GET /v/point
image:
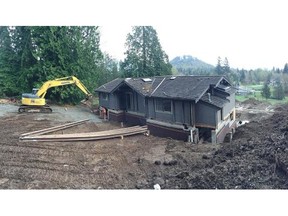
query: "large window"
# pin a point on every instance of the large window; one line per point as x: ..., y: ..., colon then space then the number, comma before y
x: 163, y: 105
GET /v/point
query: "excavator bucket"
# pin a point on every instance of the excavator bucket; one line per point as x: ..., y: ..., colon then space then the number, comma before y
x: 87, y: 102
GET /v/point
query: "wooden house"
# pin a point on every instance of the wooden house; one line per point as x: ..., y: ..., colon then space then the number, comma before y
x: 181, y: 107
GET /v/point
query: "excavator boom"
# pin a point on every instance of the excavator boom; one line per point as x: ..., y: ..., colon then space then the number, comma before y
x: 35, y: 101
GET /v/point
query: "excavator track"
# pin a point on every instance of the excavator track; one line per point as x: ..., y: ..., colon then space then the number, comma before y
x: 33, y: 109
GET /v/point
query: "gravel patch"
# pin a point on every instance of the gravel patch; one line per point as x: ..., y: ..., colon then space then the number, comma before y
x: 59, y: 114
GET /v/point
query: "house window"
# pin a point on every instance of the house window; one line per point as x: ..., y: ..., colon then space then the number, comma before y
x: 105, y: 96
x: 163, y: 105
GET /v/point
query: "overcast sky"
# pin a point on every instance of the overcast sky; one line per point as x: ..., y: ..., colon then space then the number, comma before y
x: 250, y: 33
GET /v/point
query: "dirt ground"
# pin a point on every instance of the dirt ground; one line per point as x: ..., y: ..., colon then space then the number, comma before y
x: 256, y: 158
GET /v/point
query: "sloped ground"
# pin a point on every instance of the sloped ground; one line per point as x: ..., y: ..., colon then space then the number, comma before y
x: 256, y: 158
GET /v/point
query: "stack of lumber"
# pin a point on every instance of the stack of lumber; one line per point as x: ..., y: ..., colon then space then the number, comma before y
x: 39, y: 135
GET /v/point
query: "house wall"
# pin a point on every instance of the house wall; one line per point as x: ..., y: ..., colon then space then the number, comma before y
x: 141, y: 104
x: 132, y: 118
x: 113, y: 102
x: 229, y: 106
x: 117, y: 100
x: 167, y: 131
x: 102, y: 101
x: 206, y: 115
x: 117, y: 116
x: 218, y: 116
x: 117, y: 105
x: 181, y: 112
x: 187, y: 113
x: 151, y: 108
x: 161, y: 116
x: 121, y: 100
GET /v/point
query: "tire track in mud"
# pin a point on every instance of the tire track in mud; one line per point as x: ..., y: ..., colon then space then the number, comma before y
x: 69, y: 166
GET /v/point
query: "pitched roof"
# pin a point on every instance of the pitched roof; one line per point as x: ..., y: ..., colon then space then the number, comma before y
x: 185, y: 87
x: 174, y: 87
x: 110, y: 86
x: 214, y: 100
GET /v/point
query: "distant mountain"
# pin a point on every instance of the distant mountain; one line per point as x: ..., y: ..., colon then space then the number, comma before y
x: 189, y: 65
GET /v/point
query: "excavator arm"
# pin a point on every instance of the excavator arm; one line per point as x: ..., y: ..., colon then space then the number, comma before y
x: 61, y: 82
x: 36, y: 100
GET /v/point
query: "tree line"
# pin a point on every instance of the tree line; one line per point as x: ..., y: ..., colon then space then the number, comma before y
x: 275, y: 81
x: 31, y: 55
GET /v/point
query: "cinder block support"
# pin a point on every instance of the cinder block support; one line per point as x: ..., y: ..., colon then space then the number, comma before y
x: 213, y: 137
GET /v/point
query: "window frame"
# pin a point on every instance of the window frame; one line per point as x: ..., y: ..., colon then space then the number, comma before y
x: 162, y: 101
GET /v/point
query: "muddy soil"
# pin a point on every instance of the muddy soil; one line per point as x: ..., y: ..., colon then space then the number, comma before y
x: 256, y: 158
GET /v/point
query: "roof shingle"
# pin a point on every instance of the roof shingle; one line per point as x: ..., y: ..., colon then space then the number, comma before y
x: 174, y: 87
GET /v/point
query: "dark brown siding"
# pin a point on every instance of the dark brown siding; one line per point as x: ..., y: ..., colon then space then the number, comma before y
x: 167, y: 132
x: 131, y: 119
x: 118, y: 117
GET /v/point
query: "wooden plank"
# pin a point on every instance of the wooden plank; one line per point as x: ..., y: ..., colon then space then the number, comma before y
x: 98, y: 133
x: 89, y: 136
x: 55, y: 128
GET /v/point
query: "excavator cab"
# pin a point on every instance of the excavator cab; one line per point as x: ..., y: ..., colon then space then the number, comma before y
x: 34, y: 91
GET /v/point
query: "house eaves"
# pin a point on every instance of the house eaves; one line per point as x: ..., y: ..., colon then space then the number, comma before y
x: 110, y: 86
x: 214, y: 100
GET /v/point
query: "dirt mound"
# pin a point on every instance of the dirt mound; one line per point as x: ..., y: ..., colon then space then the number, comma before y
x: 252, y: 101
x: 257, y: 158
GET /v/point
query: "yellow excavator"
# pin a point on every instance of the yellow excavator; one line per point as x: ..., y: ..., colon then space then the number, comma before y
x: 35, y: 101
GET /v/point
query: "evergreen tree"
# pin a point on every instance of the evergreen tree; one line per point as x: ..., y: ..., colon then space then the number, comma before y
x: 242, y: 74
x: 219, y: 68
x: 8, y: 70
x: 279, y: 91
x: 48, y: 52
x: 109, y: 69
x: 226, y: 67
x: 266, y: 91
x: 67, y: 51
x: 144, y: 55
x: 285, y: 70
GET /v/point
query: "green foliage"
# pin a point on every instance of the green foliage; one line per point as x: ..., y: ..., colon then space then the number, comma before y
x: 108, y: 70
x: 32, y: 55
x: 144, y: 55
x: 285, y: 70
x: 9, y: 64
x: 222, y: 67
x: 285, y: 82
x: 279, y: 91
x: 266, y: 91
x: 219, y: 68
